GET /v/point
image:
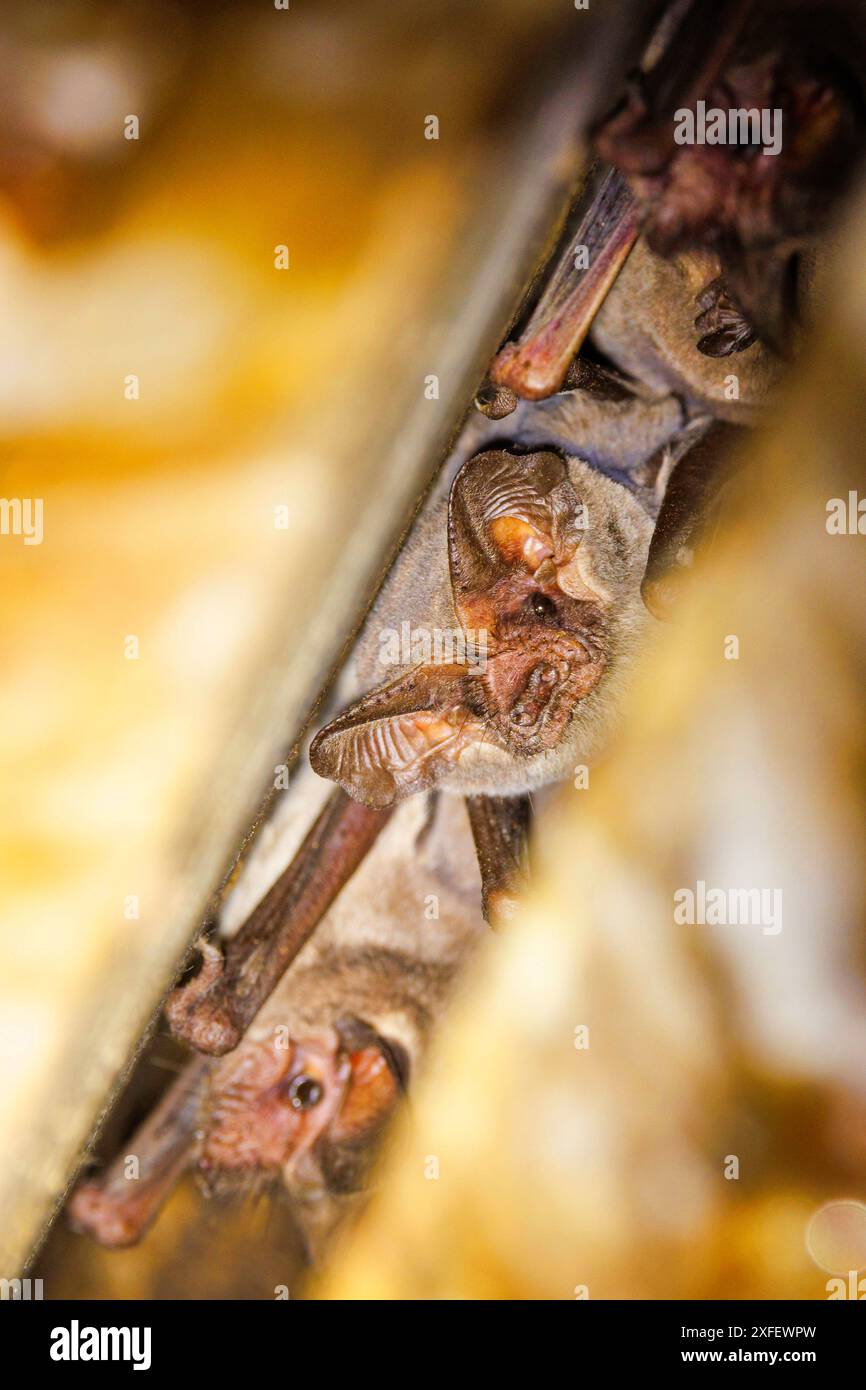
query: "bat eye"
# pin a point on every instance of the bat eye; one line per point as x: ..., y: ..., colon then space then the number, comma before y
x: 540, y: 606
x: 305, y: 1092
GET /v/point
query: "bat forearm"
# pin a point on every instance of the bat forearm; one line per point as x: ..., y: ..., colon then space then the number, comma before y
x: 536, y: 365
x: 118, y: 1207
x: 214, y: 1009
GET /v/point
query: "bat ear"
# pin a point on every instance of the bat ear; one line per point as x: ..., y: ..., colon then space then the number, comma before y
x: 505, y: 510
x: 401, y: 738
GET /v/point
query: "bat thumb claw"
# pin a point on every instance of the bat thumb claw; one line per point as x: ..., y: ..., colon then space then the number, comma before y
x: 95, y: 1213
x: 207, y: 1024
x: 199, y: 1014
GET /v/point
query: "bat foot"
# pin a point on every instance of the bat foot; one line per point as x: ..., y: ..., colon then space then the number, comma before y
x: 496, y: 402
x: 200, y: 1013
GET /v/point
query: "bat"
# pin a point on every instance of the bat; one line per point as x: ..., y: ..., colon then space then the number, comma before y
x: 704, y: 251
x: 301, y: 1104
x: 534, y: 563
x: 678, y: 65
x: 757, y: 212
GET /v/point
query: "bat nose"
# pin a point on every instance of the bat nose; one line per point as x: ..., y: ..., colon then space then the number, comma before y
x: 540, y: 685
x: 521, y: 716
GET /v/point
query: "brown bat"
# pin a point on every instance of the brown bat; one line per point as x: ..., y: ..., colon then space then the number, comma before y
x: 699, y: 251
x: 303, y: 1101
x: 681, y: 60
x: 528, y: 569
x: 722, y: 234
x: 757, y: 208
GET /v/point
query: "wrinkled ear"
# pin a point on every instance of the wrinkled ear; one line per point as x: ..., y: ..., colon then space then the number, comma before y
x: 507, y: 510
x: 359, y: 1037
x: 507, y: 513
x: 401, y: 738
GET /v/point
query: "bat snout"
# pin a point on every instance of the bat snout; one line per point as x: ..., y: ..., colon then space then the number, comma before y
x: 269, y: 1100
x: 531, y: 703
x: 535, y: 685
x: 300, y: 1110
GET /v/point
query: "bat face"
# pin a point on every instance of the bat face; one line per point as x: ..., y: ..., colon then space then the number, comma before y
x: 304, y: 1098
x: 544, y: 561
x: 514, y: 526
x: 306, y: 1110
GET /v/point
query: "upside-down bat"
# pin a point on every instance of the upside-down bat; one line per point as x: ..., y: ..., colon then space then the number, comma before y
x: 698, y: 264
x: 737, y: 221
x: 303, y: 1100
x: 540, y: 557
x: 757, y: 213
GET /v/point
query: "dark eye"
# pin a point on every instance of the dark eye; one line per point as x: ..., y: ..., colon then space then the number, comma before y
x: 540, y: 606
x: 305, y: 1092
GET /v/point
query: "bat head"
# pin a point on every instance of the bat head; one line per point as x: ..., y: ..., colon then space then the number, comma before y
x: 301, y: 1106
x: 305, y: 1100
x: 309, y: 1110
x: 544, y: 578
x: 757, y: 199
